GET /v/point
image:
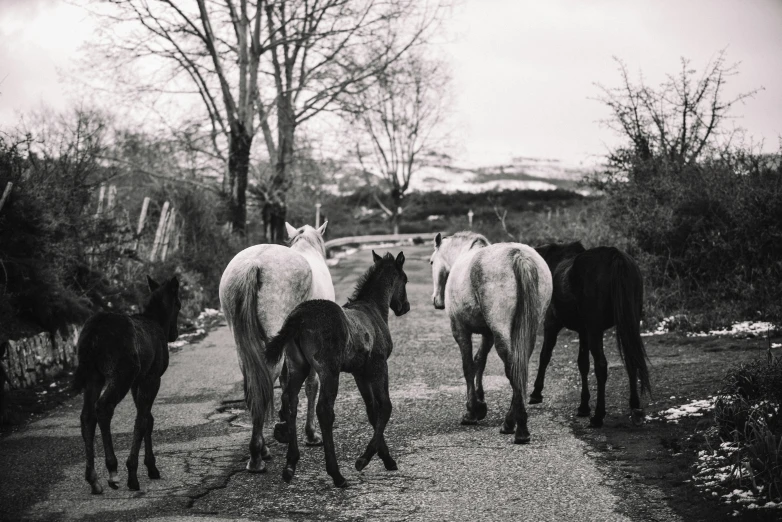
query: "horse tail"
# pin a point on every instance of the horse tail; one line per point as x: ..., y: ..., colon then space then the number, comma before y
x: 627, y: 296
x: 242, y: 314
x: 526, y: 318
x: 292, y: 326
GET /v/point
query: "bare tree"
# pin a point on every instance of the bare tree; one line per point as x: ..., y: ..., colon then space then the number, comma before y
x: 401, y: 116
x: 678, y: 121
x: 259, y: 64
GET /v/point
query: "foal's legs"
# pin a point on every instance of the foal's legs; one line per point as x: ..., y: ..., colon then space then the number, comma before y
x: 281, y: 428
x: 583, y: 368
x: 149, y: 455
x: 601, y: 372
x: 144, y: 396
x: 487, y: 341
x: 296, y: 376
x: 329, y: 385
x: 311, y: 388
x: 464, y: 339
x: 116, y: 389
x: 551, y: 328
x: 379, y: 416
x: 89, y: 420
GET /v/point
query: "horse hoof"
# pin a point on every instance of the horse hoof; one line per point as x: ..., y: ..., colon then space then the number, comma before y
x: 153, y: 473
x: 469, y: 420
x: 340, y: 482
x: 507, y: 429
x: 390, y: 465
x: 314, y: 440
x: 638, y: 416
x: 361, y: 463
x: 133, y: 485
x: 583, y: 412
x: 96, y: 489
x: 281, y: 432
x: 287, y: 474
x: 595, y: 422
x: 522, y: 439
x: 114, y: 485
x: 535, y: 399
x: 480, y: 410
x: 256, y: 467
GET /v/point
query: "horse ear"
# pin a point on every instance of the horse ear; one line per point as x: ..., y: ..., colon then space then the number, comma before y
x: 291, y: 230
x: 376, y: 258
x: 322, y: 228
x: 153, y: 285
x: 438, y: 240
x: 400, y: 259
x: 173, y: 285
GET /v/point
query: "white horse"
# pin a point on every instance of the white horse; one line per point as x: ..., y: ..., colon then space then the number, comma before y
x: 259, y: 288
x: 500, y: 291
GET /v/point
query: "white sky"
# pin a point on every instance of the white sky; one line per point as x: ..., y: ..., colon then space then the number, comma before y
x: 523, y: 71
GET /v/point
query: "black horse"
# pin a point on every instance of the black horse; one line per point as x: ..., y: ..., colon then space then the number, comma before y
x: 125, y: 353
x: 594, y: 290
x: 354, y: 339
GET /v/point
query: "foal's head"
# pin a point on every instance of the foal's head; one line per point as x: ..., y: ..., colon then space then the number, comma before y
x: 397, y: 279
x: 164, y: 304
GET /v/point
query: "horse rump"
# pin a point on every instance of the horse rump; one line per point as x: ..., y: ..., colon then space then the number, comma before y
x: 324, y: 317
x: 627, y: 298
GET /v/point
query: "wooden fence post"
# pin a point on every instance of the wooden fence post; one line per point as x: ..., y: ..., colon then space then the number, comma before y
x: 111, y: 199
x: 159, y: 233
x: 142, y: 218
x: 170, y: 223
x: 6, y: 193
x: 100, y: 199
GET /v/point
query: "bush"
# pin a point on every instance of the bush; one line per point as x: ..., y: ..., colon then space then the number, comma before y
x: 749, y: 423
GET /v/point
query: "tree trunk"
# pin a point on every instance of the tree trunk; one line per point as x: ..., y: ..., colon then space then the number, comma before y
x: 238, y: 167
x: 276, y: 209
x: 396, y: 217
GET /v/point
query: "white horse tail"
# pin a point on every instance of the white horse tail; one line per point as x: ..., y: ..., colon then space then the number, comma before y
x: 526, y: 318
x: 242, y: 314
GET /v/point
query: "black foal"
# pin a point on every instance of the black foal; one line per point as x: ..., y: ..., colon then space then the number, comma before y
x: 354, y: 339
x: 124, y: 353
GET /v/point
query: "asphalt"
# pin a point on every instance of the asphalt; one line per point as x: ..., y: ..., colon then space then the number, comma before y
x: 446, y: 471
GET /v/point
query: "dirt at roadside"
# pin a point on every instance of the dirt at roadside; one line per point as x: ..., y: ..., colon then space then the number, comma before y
x: 662, y: 454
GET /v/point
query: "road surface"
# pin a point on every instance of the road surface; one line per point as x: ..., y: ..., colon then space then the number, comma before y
x: 446, y: 471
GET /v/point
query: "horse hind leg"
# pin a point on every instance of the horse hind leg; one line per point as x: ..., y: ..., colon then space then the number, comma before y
x: 296, y: 377
x: 149, y: 456
x: 583, y: 367
x: 601, y: 372
x: 311, y: 388
x: 115, y: 391
x: 329, y: 386
x: 464, y: 339
x: 516, y: 417
x: 281, y: 428
x: 487, y: 341
x: 551, y: 330
x: 89, y: 421
x: 144, y: 396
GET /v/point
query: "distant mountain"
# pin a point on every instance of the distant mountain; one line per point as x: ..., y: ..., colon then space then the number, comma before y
x: 441, y: 173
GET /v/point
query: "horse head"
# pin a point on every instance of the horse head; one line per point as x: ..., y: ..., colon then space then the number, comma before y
x: 312, y: 236
x: 164, y: 304
x: 440, y: 270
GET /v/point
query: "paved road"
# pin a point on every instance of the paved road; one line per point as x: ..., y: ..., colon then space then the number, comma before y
x: 446, y: 471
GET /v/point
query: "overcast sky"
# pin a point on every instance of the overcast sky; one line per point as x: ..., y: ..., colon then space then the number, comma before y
x: 523, y: 71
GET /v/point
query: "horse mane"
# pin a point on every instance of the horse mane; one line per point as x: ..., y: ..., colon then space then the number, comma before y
x: 313, y: 239
x: 365, y: 279
x: 465, y: 237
